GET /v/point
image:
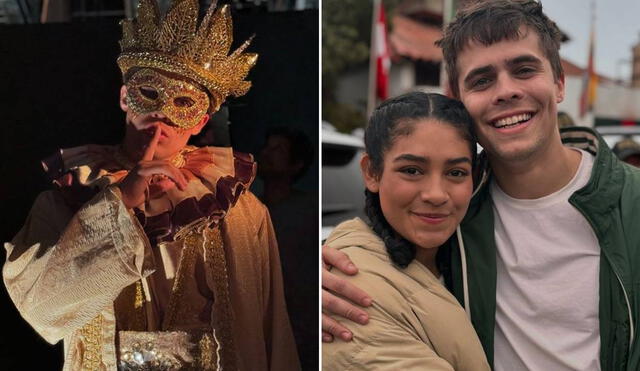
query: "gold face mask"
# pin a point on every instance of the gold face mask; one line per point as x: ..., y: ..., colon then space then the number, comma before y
x: 150, y: 91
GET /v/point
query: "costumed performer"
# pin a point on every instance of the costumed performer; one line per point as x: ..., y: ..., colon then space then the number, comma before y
x: 153, y: 254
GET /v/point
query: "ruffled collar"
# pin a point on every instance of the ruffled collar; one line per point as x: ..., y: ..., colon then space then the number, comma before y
x: 216, y: 177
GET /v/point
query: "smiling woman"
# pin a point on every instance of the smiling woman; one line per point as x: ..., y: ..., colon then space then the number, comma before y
x: 424, y: 187
x: 420, y: 149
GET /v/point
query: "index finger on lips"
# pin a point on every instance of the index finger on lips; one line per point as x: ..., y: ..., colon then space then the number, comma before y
x: 347, y: 290
x: 153, y: 144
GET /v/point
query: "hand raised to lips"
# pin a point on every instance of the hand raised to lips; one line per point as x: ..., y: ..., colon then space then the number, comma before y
x: 134, y: 186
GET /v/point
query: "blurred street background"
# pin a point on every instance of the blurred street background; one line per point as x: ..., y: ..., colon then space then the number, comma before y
x: 376, y: 49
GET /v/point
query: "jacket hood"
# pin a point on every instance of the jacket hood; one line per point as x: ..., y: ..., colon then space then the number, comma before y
x: 356, y: 232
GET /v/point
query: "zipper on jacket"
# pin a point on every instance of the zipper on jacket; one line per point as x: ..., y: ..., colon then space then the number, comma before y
x: 584, y: 215
x: 626, y: 297
x: 463, y: 255
x: 465, y: 283
x: 613, y: 268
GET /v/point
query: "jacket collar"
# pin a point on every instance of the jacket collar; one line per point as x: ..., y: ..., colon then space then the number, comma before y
x: 598, y: 195
x: 603, y: 190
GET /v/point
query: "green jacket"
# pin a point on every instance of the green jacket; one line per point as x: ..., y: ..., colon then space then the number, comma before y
x: 611, y: 204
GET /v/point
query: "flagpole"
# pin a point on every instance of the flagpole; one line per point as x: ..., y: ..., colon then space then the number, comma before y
x: 588, y: 84
x: 371, y: 99
x: 593, y: 75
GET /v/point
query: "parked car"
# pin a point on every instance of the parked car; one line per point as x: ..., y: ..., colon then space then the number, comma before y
x: 342, y: 185
x: 614, y: 134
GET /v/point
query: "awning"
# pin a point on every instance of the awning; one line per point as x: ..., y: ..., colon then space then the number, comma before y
x: 414, y: 40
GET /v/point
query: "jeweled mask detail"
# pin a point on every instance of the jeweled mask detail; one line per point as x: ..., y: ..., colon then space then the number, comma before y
x: 178, y: 44
x: 150, y: 91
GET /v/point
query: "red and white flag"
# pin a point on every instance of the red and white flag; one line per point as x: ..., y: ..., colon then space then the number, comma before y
x: 379, y: 61
x: 381, y: 53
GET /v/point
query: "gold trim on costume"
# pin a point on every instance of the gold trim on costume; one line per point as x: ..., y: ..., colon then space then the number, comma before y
x: 129, y: 308
x: 91, y: 335
x: 223, y: 316
x: 209, y: 239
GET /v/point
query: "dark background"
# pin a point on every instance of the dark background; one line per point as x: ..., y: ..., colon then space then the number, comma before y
x: 59, y: 87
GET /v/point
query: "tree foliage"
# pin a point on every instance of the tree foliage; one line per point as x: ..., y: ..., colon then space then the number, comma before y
x: 346, y: 35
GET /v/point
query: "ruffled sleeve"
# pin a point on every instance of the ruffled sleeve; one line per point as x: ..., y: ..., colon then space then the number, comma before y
x: 63, y: 268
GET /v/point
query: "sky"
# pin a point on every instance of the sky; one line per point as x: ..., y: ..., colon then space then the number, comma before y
x: 617, y: 27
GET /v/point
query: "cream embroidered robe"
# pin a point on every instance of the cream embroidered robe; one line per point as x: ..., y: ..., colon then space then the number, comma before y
x: 84, y: 275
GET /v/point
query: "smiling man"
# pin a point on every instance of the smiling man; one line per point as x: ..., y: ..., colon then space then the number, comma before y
x: 546, y: 263
x: 153, y: 255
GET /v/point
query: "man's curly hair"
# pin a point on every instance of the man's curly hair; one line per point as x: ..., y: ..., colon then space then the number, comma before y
x: 491, y: 21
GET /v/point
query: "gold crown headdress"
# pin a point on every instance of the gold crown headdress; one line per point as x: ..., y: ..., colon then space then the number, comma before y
x: 173, y: 44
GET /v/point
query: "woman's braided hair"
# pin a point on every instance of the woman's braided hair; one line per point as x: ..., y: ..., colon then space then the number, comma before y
x: 393, y: 118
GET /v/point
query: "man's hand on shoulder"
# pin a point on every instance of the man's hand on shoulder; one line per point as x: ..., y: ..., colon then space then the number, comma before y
x: 332, y: 285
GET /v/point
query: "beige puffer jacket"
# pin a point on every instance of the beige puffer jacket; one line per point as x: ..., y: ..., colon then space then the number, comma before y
x: 415, y: 323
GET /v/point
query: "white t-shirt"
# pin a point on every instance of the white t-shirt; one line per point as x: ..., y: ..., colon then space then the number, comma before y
x: 547, y: 281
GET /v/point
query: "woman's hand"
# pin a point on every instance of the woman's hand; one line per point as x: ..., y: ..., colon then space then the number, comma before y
x: 331, y: 303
